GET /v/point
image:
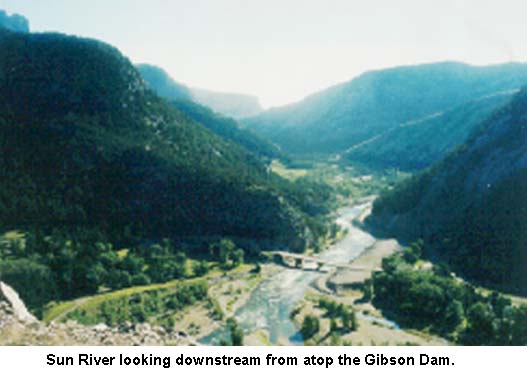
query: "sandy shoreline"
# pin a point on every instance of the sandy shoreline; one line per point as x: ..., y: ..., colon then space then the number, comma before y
x: 370, y: 259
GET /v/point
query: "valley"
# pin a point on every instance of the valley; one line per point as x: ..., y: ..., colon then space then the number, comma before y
x: 389, y: 209
x: 263, y: 303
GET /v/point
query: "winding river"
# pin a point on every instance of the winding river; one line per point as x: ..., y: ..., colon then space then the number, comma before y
x: 270, y: 304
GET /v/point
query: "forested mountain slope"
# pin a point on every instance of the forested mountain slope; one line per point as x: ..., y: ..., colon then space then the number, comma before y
x: 181, y: 96
x: 417, y: 144
x: 472, y: 206
x: 347, y: 114
x: 85, y: 145
x: 229, y: 129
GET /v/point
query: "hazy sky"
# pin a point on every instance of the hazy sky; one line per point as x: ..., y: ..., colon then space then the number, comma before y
x: 282, y: 50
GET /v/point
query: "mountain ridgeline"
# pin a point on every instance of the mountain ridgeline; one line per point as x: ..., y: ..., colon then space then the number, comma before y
x: 472, y: 206
x: 85, y: 145
x: 182, y: 98
x: 343, y: 116
x: 233, y: 105
x: 229, y: 129
x: 163, y: 84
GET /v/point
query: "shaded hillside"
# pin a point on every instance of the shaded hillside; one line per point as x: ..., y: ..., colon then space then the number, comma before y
x: 228, y: 128
x: 347, y: 114
x: 417, y: 144
x: 85, y: 145
x: 234, y: 105
x: 180, y: 96
x: 472, y: 206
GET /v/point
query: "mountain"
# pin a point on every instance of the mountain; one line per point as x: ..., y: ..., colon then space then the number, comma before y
x: 181, y: 97
x: 417, y: 144
x: 229, y: 129
x: 163, y: 84
x: 472, y: 206
x: 15, y: 22
x: 234, y: 105
x: 85, y: 145
x: 347, y: 114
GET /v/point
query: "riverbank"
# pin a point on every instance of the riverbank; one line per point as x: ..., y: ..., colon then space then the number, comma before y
x: 370, y: 260
x: 372, y: 330
x: 262, y: 301
x: 345, y: 286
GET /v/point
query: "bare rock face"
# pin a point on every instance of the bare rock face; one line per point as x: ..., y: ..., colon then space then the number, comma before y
x: 17, y: 305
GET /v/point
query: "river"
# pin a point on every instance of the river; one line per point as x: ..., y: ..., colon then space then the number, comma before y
x: 270, y: 304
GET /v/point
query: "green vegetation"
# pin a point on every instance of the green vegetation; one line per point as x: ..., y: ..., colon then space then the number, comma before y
x: 343, y: 180
x: 235, y: 331
x: 340, y: 117
x: 182, y: 98
x: 227, y: 254
x: 96, y: 170
x: 436, y: 301
x: 335, y: 320
x: 339, y: 311
x: 228, y: 129
x: 310, y: 327
x: 471, y: 208
x: 154, y: 306
x: 47, y: 268
x: 418, y: 144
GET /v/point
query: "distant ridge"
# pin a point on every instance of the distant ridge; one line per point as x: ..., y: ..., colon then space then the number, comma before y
x: 15, y: 22
x: 417, y: 144
x: 182, y: 98
x: 234, y: 105
x: 333, y: 120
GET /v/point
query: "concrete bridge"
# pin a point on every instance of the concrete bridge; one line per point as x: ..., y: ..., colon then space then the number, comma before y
x: 298, y: 261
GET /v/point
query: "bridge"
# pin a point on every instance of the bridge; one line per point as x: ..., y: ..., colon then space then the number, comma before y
x: 298, y: 261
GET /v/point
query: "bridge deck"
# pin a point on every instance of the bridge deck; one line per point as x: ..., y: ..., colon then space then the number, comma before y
x: 314, y: 259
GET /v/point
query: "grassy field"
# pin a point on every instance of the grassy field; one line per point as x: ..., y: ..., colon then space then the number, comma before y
x: 347, y: 181
x: 287, y: 173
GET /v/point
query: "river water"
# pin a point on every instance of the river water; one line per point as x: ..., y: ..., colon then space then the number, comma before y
x: 270, y: 304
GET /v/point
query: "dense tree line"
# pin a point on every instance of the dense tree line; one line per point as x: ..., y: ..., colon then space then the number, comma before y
x: 438, y: 301
x: 152, y: 305
x: 342, y: 317
x: 62, y: 266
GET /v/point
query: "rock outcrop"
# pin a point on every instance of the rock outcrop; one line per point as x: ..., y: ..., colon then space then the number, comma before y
x: 17, y: 305
x: 19, y: 327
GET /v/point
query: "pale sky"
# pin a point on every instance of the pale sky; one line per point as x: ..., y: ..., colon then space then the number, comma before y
x: 282, y: 50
